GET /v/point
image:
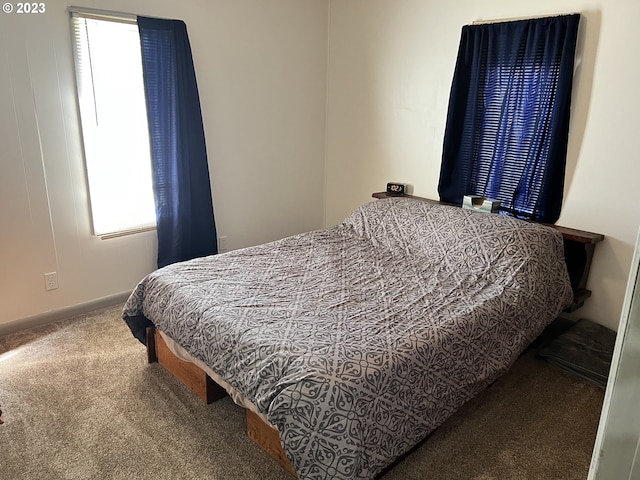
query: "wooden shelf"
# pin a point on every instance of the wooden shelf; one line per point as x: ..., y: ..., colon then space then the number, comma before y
x: 581, y: 236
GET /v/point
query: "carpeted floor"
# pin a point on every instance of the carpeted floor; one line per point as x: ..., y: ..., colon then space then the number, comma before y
x: 80, y: 401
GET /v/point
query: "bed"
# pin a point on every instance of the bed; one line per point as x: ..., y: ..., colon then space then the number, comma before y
x: 356, y: 341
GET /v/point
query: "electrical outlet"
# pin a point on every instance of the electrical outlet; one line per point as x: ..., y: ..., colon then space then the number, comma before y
x: 223, y: 244
x: 50, y: 281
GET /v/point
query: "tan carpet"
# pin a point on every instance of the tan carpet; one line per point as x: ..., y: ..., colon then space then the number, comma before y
x: 79, y: 401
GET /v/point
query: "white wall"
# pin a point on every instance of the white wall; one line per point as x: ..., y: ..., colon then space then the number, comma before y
x: 261, y: 69
x: 390, y: 70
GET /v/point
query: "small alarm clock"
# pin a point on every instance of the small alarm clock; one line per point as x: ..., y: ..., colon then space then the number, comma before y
x: 394, y: 188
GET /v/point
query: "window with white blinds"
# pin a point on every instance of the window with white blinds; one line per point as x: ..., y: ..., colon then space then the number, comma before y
x: 114, y: 123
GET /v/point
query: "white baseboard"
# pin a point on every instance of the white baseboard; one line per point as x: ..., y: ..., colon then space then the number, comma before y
x: 62, y: 313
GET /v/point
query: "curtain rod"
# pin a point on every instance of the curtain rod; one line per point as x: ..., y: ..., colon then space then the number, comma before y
x: 515, y: 19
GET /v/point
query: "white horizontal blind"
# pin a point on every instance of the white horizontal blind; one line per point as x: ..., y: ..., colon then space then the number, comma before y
x: 512, y: 155
x: 114, y: 123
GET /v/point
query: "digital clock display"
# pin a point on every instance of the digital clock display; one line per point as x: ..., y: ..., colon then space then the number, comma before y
x: 396, y: 188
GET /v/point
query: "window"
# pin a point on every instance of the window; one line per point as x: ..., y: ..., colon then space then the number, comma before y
x: 508, y: 120
x: 114, y: 123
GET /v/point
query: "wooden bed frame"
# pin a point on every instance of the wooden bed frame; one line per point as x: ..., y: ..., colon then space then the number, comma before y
x: 194, y: 378
x: 579, y: 247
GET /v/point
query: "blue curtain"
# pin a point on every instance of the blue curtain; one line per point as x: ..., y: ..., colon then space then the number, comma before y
x: 184, y: 209
x: 508, y: 119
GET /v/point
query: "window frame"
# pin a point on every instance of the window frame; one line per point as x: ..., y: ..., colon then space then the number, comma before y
x: 76, y: 13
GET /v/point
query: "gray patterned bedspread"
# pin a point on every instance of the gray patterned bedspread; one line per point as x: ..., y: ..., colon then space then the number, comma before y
x: 360, y: 339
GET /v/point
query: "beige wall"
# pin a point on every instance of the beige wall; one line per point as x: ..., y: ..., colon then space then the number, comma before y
x: 261, y: 69
x: 390, y: 70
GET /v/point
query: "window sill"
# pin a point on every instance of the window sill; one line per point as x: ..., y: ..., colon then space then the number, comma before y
x: 123, y: 233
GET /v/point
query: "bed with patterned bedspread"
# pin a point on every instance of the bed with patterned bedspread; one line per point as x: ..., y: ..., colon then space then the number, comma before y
x: 358, y: 340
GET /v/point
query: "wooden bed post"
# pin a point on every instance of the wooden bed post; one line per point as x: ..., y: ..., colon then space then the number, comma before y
x: 188, y: 373
x: 268, y: 438
x: 152, y: 355
x: 208, y: 390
